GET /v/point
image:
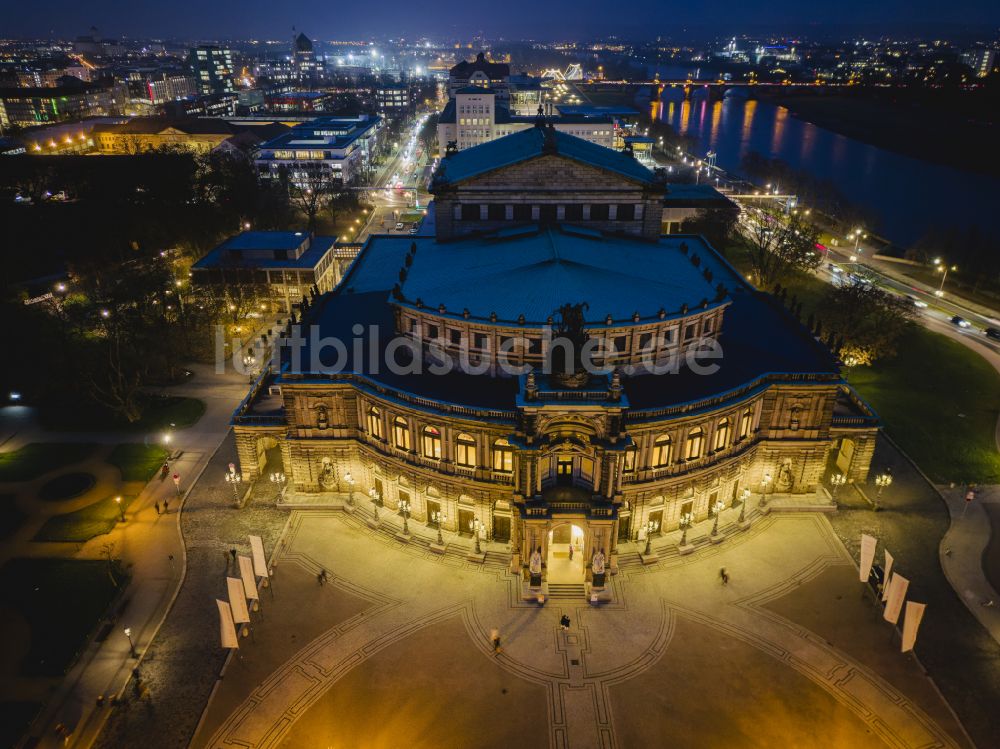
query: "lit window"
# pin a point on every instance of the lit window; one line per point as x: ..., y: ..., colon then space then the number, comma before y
x: 695, y: 443
x: 662, y: 451
x: 432, y: 443
x: 375, y: 423
x: 503, y: 456
x: 401, y: 433
x: 465, y: 451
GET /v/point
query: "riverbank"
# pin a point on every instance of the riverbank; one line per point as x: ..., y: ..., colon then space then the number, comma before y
x: 938, y: 134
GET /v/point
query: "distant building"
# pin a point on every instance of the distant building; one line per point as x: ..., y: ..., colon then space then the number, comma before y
x: 212, y: 105
x: 298, y: 101
x: 981, y: 60
x: 395, y: 99
x: 482, y: 73
x: 307, y: 67
x: 279, y: 267
x: 164, y: 87
x: 476, y: 115
x: 71, y: 100
x: 213, y: 69
x: 198, y: 135
x: 335, y: 149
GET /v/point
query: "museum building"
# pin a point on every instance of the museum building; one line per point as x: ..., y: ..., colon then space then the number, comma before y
x: 542, y: 237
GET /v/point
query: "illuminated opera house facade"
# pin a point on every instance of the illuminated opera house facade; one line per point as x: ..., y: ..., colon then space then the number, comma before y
x: 535, y: 234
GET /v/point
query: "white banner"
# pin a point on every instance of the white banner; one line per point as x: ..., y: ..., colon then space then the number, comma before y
x: 867, y: 555
x: 227, y: 629
x: 237, y: 600
x: 897, y: 593
x: 259, y: 561
x: 249, y: 583
x: 911, y: 623
x: 885, y: 575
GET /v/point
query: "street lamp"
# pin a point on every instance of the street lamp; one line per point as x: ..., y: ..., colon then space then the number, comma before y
x: 744, y: 498
x: 837, y: 480
x: 720, y: 505
x: 474, y: 526
x: 280, y: 480
x: 350, y: 488
x: 882, y: 481
x: 685, y: 521
x: 376, y: 500
x: 651, y: 527
x: 404, y: 508
x: 437, y: 518
x: 943, y: 269
x: 131, y: 645
x: 234, y: 479
x: 857, y: 235
x: 763, y: 494
x: 121, y: 510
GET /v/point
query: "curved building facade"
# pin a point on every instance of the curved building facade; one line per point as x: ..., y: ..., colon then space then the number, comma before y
x: 445, y: 394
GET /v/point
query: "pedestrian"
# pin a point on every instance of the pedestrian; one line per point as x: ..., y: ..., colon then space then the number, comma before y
x: 564, y: 621
x: 571, y: 552
x: 166, y: 506
x: 157, y: 507
x: 323, y: 573
x: 321, y: 577
x: 495, y: 639
x: 724, y: 576
x: 232, y: 553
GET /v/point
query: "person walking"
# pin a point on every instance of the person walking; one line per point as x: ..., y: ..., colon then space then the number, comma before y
x: 724, y: 576
x: 157, y: 503
x: 564, y: 621
x: 166, y: 505
x: 321, y: 577
x: 495, y: 639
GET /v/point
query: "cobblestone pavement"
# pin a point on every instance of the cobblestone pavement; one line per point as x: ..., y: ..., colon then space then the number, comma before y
x: 182, y: 663
x: 958, y: 653
x: 395, y: 651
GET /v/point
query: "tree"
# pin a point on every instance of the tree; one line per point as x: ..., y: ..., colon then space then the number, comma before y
x: 869, y: 320
x: 428, y: 134
x: 717, y: 225
x: 778, y: 244
x: 311, y: 193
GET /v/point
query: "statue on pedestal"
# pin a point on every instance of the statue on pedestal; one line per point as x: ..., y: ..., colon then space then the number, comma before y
x: 535, y: 567
x: 597, y: 567
x: 327, y: 476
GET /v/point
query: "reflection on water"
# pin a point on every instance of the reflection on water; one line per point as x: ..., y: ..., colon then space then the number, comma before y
x: 907, y: 194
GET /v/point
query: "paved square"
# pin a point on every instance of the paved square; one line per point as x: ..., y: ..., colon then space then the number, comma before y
x: 395, y: 651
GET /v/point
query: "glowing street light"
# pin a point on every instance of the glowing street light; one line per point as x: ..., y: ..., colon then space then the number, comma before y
x: 651, y: 527
x: 474, y: 526
x: 720, y: 505
x: 744, y: 498
x: 131, y: 645
x: 837, y: 480
x: 438, y: 517
x: 685, y: 521
x: 234, y: 479
x: 943, y: 269
x: 763, y: 494
x: 404, y: 509
x: 121, y: 509
x: 882, y: 481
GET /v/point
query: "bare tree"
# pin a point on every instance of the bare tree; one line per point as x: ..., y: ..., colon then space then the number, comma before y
x: 778, y: 244
x: 311, y: 194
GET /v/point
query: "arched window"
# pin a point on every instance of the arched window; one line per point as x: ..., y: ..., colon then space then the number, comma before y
x: 401, y: 433
x: 432, y: 443
x: 465, y: 450
x: 662, y: 451
x: 503, y: 456
x: 630, y: 459
x: 721, y: 434
x: 695, y: 443
x: 746, y: 422
x: 375, y: 423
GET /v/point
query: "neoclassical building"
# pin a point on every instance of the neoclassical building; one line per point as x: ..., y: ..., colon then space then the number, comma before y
x: 451, y: 394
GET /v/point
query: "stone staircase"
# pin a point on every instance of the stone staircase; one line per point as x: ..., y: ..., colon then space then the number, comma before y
x: 566, y: 591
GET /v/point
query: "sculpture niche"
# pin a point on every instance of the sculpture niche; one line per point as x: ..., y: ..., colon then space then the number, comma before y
x: 566, y: 352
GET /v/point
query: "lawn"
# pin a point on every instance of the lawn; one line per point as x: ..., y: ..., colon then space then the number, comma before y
x: 15, y: 718
x: 939, y: 401
x: 84, y: 524
x: 62, y: 601
x: 934, y: 387
x: 37, y: 458
x: 158, y: 413
x: 137, y: 462
x: 11, y: 516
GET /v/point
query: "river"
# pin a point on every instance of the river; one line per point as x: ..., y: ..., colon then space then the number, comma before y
x: 908, y: 195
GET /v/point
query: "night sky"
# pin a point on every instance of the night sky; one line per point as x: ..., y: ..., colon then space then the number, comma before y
x: 443, y: 19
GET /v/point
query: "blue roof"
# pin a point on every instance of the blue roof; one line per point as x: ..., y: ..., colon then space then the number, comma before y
x: 589, y: 110
x: 529, y: 144
x: 530, y: 271
x: 229, y: 253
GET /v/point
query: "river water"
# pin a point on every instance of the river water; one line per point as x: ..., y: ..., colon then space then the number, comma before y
x: 908, y: 195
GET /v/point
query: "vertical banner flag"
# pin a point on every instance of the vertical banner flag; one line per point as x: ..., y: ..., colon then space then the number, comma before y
x: 885, y: 575
x: 897, y: 592
x: 227, y: 629
x: 867, y: 555
x: 257, y: 550
x: 249, y: 584
x: 237, y: 600
x: 911, y: 623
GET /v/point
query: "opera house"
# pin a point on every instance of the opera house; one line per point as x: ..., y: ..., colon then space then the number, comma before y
x: 546, y: 370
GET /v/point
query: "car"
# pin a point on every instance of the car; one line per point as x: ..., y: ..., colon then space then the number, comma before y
x: 960, y: 322
x: 919, y: 303
x: 834, y: 268
x: 993, y: 333
x: 399, y: 226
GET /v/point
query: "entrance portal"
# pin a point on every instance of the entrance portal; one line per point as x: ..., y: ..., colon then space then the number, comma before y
x: 566, y: 560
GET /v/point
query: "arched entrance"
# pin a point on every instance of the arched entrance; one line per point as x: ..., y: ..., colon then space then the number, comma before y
x: 566, y: 560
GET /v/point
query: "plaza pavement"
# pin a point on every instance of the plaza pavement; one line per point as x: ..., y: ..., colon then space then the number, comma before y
x: 145, y: 543
x: 395, y: 651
